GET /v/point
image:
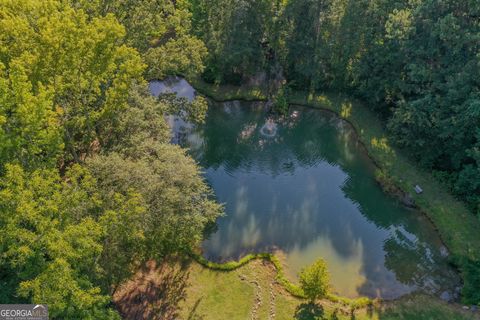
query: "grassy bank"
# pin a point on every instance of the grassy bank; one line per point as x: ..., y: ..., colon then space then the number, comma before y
x: 280, y: 278
x: 251, y: 291
x: 458, y: 228
x: 228, y: 92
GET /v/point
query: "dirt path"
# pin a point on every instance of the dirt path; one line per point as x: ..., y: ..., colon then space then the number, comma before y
x: 265, y: 294
x: 273, y: 296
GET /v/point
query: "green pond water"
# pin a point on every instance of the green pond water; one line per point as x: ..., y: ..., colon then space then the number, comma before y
x: 303, y: 186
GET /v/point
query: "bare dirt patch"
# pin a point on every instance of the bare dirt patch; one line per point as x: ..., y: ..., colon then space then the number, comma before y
x: 154, y: 292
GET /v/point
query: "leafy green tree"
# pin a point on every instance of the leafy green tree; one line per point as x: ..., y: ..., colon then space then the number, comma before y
x: 124, y: 239
x: 76, y: 65
x: 183, y: 56
x: 159, y: 29
x: 30, y: 132
x: 239, y: 36
x: 178, y: 202
x: 49, y: 255
x: 314, y: 280
x: 280, y: 100
x: 307, y: 43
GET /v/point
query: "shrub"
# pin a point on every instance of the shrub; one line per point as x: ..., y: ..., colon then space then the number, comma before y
x: 314, y: 280
x: 280, y: 101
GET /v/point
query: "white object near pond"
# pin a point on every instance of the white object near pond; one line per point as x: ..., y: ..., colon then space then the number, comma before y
x: 418, y: 190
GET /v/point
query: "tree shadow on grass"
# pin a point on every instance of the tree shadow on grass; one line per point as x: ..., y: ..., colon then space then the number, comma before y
x: 153, y: 293
x: 309, y: 311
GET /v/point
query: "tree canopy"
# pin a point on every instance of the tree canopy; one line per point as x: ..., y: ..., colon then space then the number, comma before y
x: 90, y: 187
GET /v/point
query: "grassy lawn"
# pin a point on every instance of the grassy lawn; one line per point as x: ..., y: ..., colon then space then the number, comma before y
x: 251, y: 292
x: 458, y: 228
x: 216, y: 295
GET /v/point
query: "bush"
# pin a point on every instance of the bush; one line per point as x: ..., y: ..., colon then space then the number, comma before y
x: 280, y: 101
x: 471, y: 276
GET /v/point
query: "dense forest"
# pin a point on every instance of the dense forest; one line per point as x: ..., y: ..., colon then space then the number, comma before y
x: 90, y: 187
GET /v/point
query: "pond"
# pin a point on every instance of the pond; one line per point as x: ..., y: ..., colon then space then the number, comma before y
x: 303, y: 187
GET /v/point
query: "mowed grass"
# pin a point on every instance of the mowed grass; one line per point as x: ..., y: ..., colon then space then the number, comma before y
x: 216, y: 295
x: 458, y: 228
x: 251, y: 292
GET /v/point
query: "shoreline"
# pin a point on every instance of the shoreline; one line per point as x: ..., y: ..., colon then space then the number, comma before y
x: 293, y: 289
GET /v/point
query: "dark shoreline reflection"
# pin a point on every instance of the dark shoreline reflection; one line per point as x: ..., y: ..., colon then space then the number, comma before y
x: 303, y: 185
